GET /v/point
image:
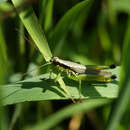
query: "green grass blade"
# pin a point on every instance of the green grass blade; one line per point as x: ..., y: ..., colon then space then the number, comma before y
x: 48, y: 15
x: 44, y: 88
x: 21, y: 39
x: 112, y: 12
x: 46, y: 7
x: 3, y: 118
x: 66, y: 22
x: 54, y: 119
x: 3, y: 75
x: 15, y: 116
x: 3, y: 115
x: 3, y: 55
x: 120, y: 104
x: 103, y: 34
x: 33, y: 27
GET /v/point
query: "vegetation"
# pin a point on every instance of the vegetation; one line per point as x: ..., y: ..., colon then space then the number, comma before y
x: 90, y: 32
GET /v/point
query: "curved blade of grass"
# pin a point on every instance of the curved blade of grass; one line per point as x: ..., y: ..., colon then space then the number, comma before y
x: 44, y: 88
x: 48, y: 15
x: 33, y: 27
x: 46, y: 7
x: 67, y: 20
x: 120, y: 104
x: 54, y: 119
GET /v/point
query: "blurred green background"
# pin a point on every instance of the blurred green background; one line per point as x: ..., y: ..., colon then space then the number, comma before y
x: 91, y: 32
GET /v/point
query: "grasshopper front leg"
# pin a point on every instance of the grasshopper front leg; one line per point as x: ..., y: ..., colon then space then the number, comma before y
x: 62, y: 84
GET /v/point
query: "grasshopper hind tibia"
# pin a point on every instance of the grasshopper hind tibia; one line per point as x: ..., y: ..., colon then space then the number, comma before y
x: 113, y: 77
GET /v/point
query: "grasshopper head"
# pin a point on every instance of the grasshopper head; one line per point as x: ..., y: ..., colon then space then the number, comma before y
x: 54, y: 59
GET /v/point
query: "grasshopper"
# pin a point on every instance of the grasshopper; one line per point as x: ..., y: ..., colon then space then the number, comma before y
x: 89, y: 73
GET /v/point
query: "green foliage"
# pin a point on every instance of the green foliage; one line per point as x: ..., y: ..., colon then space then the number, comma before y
x: 68, y: 111
x: 89, y: 32
x: 31, y: 23
x: 123, y: 100
x: 43, y: 88
x: 2, y: 1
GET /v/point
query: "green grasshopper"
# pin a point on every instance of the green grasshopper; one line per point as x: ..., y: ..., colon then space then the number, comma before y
x: 79, y: 72
x: 88, y: 73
